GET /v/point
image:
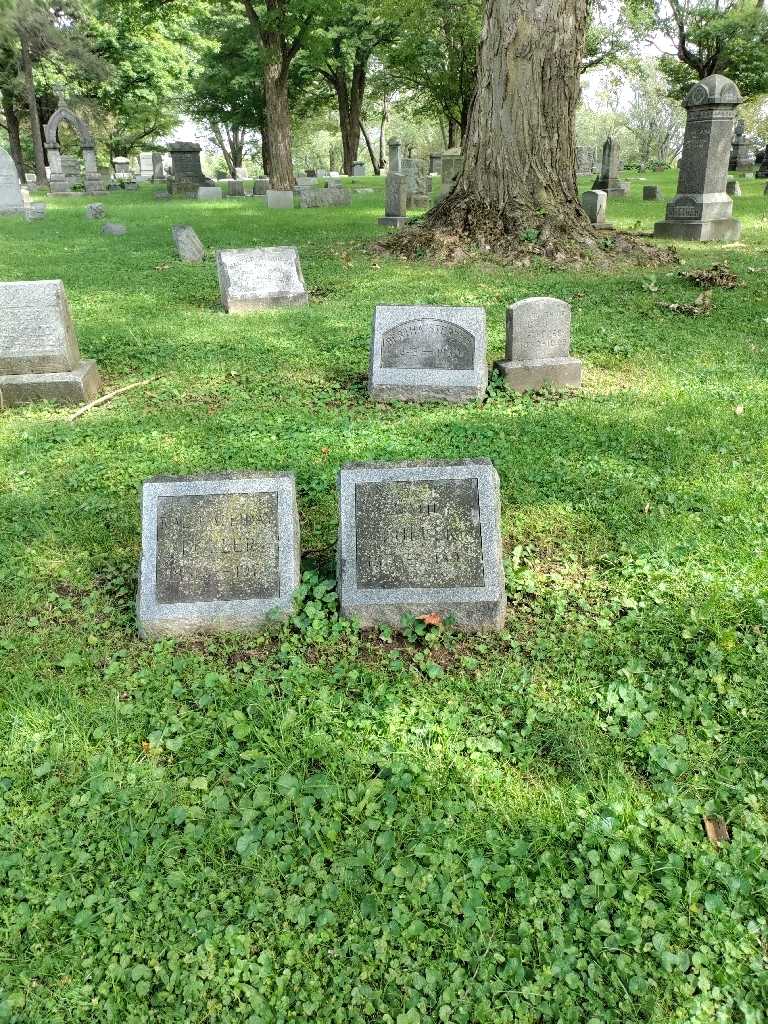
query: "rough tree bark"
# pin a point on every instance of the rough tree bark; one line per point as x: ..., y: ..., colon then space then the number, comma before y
x: 14, y: 136
x: 518, y: 179
x: 34, y: 117
x: 349, y: 96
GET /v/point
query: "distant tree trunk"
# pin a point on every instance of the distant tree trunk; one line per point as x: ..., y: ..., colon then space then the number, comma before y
x: 518, y: 174
x: 34, y: 117
x: 14, y: 138
x: 349, y: 96
x: 454, y: 133
x: 374, y: 161
x: 384, y: 117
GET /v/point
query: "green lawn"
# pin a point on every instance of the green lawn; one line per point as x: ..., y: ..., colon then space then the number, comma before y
x: 323, y: 826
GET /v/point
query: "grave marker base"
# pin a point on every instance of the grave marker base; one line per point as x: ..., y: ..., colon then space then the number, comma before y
x: 557, y: 373
x: 726, y: 230
x: 72, y: 387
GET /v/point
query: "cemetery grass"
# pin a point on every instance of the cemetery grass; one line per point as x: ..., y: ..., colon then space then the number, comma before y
x: 320, y: 825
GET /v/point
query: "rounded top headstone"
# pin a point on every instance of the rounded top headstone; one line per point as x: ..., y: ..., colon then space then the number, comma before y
x: 715, y: 90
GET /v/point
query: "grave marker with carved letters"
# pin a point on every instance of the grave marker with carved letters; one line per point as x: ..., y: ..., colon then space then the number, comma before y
x: 220, y: 553
x: 428, y: 354
x: 421, y: 538
x: 538, y: 346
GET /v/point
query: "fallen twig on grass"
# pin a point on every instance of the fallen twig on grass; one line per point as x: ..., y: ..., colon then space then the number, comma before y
x: 108, y: 398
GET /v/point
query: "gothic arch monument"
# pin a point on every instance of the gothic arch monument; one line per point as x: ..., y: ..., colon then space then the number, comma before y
x: 58, y: 182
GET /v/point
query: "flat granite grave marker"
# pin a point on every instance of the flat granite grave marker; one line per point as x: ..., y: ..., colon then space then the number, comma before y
x: 702, y: 209
x: 538, y: 346
x: 219, y: 553
x: 421, y: 538
x: 114, y: 229
x: 39, y: 356
x: 188, y: 245
x: 260, y: 278
x: 94, y: 211
x: 428, y: 354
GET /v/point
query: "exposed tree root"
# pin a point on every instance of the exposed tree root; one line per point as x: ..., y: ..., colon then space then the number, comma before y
x: 461, y: 229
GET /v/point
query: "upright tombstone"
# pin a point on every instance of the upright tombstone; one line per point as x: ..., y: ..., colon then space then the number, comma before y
x: 701, y: 210
x: 188, y: 245
x: 59, y: 182
x: 733, y: 188
x: 538, y: 346
x: 435, y: 163
x: 594, y: 203
x: 395, y: 190
x: 741, y: 158
x: 186, y: 172
x: 209, y: 193
x: 310, y: 198
x: 236, y: 188
x: 279, y: 199
x: 39, y: 356
x: 585, y: 160
x: 358, y: 169
x: 421, y: 538
x: 761, y: 161
x: 260, y: 186
x: 122, y: 166
x: 260, y: 278
x: 451, y: 163
x: 219, y: 553
x: 146, y: 167
x: 11, y: 198
x: 608, y: 180
x: 428, y: 354
x: 418, y: 183
x: 158, y: 170
x: 652, y: 192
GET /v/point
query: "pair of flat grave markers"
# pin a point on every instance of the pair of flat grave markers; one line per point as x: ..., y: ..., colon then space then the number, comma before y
x: 221, y: 553
x: 438, y: 353
x: 39, y: 356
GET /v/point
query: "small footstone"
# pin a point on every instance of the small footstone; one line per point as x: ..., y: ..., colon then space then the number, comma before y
x: 209, y: 193
x: 114, y: 229
x: 188, y: 245
x: 428, y: 354
x: 260, y: 278
x: 279, y: 200
x: 219, y: 553
x: 421, y: 538
x: 35, y: 211
x: 94, y: 211
x: 39, y: 356
x: 538, y: 346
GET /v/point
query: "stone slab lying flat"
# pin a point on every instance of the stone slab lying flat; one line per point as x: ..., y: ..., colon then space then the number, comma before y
x: 70, y: 387
x: 220, y: 553
x: 36, y: 332
x: 260, y: 278
x: 421, y: 538
x: 428, y: 354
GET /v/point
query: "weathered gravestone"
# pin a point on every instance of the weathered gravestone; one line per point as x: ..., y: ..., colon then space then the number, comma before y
x: 260, y: 186
x: 585, y: 160
x: 209, y: 193
x: 608, y: 180
x: 146, y: 166
x: 131, y: 185
x: 94, y: 211
x: 309, y: 198
x: 11, y: 199
x: 701, y: 210
x: 428, y: 354
x: 114, y: 229
x: 219, y: 553
x: 418, y: 183
x: 122, y: 166
x: 186, y: 172
x: 652, y: 192
x: 741, y: 158
x: 395, y: 190
x: 538, y: 346
x: 236, y: 188
x: 260, y: 278
x: 35, y: 211
x: 421, y: 538
x: 435, y: 163
x: 31, y: 180
x: 39, y: 356
x: 188, y: 245
x: 451, y: 163
x: 358, y: 169
x: 158, y: 170
x: 278, y: 199
x: 594, y: 204
x: 732, y: 188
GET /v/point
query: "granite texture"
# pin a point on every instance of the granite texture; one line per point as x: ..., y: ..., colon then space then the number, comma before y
x: 188, y: 245
x: 260, y: 278
x: 701, y: 210
x: 594, y: 203
x: 651, y: 192
x: 608, y: 180
x: 68, y: 387
x: 209, y: 193
x: 279, y: 200
x: 417, y: 538
x: 94, y: 211
x: 11, y: 200
x: 220, y: 553
x: 428, y: 354
x: 36, y: 332
x: 114, y: 229
x: 310, y: 198
x: 538, y: 346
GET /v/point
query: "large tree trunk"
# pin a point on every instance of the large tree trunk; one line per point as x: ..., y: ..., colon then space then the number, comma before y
x: 14, y: 138
x: 350, y: 103
x: 278, y: 116
x: 34, y: 117
x: 518, y: 178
